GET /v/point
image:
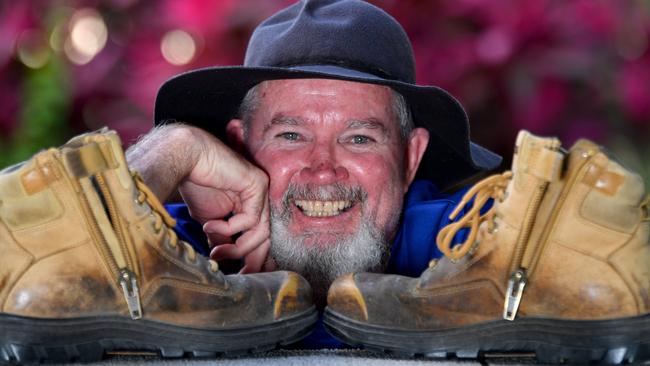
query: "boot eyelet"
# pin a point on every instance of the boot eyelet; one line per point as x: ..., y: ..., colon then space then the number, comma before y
x: 189, y: 260
x: 645, y: 209
x: 213, y: 266
x: 433, y: 263
x: 493, y: 229
x: 473, y: 248
x: 189, y: 254
x: 171, y: 246
x: 153, y: 224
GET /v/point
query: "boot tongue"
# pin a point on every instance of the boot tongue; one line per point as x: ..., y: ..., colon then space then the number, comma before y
x: 585, y: 146
x: 111, y: 146
x: 537, y: 156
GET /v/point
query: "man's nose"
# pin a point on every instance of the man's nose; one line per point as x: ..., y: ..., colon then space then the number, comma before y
x: 323, y: 168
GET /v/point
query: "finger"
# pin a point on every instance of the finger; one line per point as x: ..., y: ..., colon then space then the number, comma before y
x: 245, y: 244
x: 237, y: 223
x: 221, y: 252
x: 218, y: 239
x: 255, y: 259
x: 254, y: 202
x: 270, y: 265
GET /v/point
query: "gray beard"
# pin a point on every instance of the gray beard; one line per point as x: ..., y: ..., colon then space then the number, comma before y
x: 367, y: 250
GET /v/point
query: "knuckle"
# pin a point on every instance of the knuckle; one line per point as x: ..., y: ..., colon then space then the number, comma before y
x: 262, y: 178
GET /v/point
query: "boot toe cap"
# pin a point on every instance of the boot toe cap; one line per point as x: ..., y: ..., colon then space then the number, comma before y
x: 294, y: 296
x: 345, y: 298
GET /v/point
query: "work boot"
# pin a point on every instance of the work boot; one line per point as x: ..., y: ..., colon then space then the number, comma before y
x: 558, y: 269
x: 89, y: 266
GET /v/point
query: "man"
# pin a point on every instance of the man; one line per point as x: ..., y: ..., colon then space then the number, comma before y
x: 327, y: 131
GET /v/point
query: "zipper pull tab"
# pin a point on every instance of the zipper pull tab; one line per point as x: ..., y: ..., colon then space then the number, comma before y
x: 129, y: 284
x: 516, y: 286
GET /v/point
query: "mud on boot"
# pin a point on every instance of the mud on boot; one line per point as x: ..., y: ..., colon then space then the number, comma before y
x: 558, y: 268
x: 89, y: 264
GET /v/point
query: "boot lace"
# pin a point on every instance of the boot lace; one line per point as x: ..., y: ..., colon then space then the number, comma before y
x: 491, y: 187
x: 162, y: 217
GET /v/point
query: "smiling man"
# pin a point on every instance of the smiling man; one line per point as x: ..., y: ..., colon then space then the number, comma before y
x: 301, y: 158
x: 340, y: 156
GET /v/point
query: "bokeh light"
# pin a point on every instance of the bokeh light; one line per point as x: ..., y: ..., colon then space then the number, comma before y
x: 178, y: 47
x: 88, y: 35
x: 32, y: 49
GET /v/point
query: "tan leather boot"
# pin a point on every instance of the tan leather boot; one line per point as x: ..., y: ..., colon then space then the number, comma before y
x: 89, y: 265
x: 559, y: 268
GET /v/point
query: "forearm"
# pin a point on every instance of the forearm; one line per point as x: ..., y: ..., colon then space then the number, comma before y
x: 165, y: 156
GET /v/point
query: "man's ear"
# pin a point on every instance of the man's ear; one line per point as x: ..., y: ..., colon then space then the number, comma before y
x: 235, y: 133
x: 415, y: 148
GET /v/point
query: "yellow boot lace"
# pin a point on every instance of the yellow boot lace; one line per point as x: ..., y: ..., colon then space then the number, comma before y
x: 491, y: 187
x: 162, y: 217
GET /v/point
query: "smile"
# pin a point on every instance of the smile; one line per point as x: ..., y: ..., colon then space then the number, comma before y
x: 322, y: 208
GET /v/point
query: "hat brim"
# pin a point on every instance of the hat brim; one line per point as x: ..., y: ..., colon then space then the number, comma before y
x: 210, y: 97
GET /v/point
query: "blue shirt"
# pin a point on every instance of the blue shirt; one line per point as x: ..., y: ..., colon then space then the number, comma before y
x: 426, y: 211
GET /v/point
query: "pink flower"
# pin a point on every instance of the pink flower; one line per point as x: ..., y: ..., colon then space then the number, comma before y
x: 541, y: 108
x: 634, y: 89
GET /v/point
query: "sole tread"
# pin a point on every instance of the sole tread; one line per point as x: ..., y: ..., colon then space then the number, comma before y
x: 550, y: 341
x: 28, y: 340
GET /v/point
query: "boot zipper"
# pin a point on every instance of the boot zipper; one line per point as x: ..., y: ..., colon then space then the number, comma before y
x: 539, y: 246
x: 126, y: 276
x: 518, y: 277
x: 115, y: 219
x: 129, y: 283
x: 515, y: 290
x: 522, y: 272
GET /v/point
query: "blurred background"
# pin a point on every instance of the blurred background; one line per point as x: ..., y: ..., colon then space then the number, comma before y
x: 566, y: 68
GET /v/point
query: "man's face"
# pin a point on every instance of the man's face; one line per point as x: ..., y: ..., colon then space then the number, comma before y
x: 338, y: 171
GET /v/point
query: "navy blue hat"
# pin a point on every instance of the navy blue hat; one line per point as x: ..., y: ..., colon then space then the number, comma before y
x: 332, y: 39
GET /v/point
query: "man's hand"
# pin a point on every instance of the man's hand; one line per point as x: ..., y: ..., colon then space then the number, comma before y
x: 215, y: 182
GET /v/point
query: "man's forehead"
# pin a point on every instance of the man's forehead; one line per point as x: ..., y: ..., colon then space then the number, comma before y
x: 370, y: 123
x: 299, y: 101
x: 324, y: 87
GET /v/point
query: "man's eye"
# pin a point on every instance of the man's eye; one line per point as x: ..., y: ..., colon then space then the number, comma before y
x: 360, y: 139
x: 291, y: 136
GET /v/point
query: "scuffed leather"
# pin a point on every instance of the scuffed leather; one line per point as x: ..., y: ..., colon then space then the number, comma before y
x: 52, y: 267
x: 595, y: 264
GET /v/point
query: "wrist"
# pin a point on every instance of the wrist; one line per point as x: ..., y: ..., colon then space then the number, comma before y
x: 165, y: 155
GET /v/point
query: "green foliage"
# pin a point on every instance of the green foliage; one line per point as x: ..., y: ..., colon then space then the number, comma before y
x: 43, y: 115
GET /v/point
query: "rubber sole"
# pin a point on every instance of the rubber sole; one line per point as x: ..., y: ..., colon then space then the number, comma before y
x: 547, y: 341
x: 32, y: 340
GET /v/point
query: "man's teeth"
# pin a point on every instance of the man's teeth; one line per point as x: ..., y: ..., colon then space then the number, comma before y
x: 322, y: 208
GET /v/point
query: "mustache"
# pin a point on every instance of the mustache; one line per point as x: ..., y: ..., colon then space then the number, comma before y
x: 331, y: 192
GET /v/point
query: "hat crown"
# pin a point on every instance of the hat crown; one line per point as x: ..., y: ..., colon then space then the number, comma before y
x: 346, y: 33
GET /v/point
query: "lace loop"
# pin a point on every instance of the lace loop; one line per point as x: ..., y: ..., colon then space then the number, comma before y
x: 162, y: 217
x: 491, y: 187
x: 151, y: 199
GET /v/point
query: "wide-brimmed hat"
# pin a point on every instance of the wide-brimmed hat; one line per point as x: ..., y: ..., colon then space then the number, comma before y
x: 332, y: 39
